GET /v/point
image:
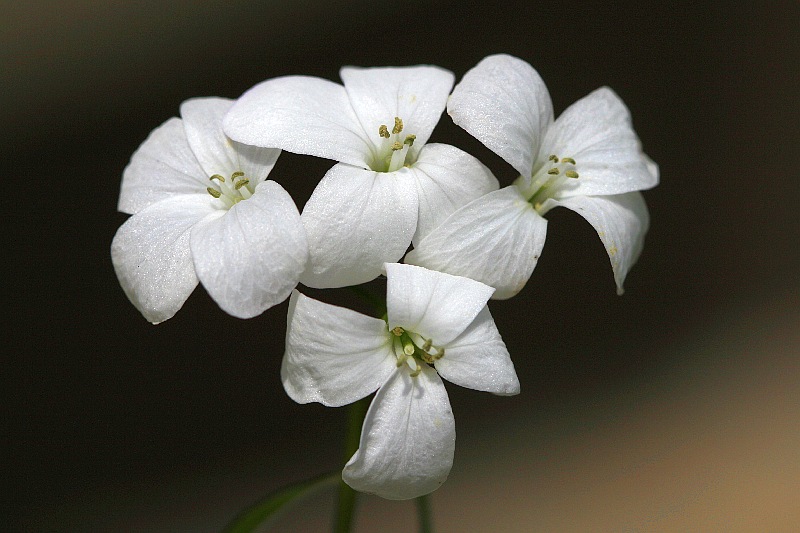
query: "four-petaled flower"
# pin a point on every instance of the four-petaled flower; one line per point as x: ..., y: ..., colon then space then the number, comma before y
x: 202, y: 209
x: 390, y: 187
x: 435, y: 322
x: 589, y: 160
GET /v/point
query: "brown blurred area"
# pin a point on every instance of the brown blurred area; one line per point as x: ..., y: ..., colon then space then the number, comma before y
x: 675, y: 407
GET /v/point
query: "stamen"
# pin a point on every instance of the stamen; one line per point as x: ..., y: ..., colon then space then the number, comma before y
x: 410, y: 139
x: 553, y: 171
x: 427, y: 345
x: 237, y: 174
x: 218, y: 178
x: 553, y: 158
x: 571, y: 174
x: 398, y: 331
x: 241, y: 183
x: 213, y: 192
x: 383, y: 131
x: 397, y: 145
x: 567, y: 160
x: 398, y: 125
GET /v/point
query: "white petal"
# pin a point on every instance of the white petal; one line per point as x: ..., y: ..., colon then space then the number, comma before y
x: 301, y: 114
x: 621, y: 222
x: 407, y: 441
x: 163, y: 166
x: 504, y: 103
x: 417, y: 95
x: 495, y: 239
x: 436, y: 305
x: 447, y: 178
x: 478, y: 359
x: 251, y: 258
x: 152, y: 257
x: 334, y: 356
x: 202, y: 119
x: 356, y: 220
x: 597, y: 132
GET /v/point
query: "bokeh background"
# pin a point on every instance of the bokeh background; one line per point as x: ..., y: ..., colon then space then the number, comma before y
x: 673, y: 407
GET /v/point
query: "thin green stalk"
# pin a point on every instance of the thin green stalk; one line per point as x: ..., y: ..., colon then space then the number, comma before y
x: 424, y: 514
x: 345, y: 510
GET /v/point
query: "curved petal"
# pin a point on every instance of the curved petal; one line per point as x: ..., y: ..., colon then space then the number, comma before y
x: 478, y: 359
x: 356, y: 220
x: 251, y: 257
x: 152, y: 258
x: 436, y: 305
x: 417, y: 95
x: 496, y: 239
x: 163, y: 166
x: 334, y: 356
x: 504, y: 103
x: 621, y: 222
x: 202, y: 120
x: 596, y: 131
x: 407, y: 441
x: 447, y: 178
x: 303, y: 115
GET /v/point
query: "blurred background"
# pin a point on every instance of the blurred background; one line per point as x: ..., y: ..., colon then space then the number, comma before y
x: 673, y: 407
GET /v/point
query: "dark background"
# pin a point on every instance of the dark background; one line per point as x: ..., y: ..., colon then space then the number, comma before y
x: 675, y: 406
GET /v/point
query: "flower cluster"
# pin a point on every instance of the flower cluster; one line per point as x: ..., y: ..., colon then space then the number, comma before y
x: 204, y: 211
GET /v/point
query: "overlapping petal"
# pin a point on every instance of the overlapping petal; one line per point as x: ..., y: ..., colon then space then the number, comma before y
x: 408, y: 439
x: 334, y: 356
x: 436, y: 305
x: 597, y: 132
x: 478, y: 359
x: 620, y: 220
x: 164, y: 165
x: 417, y: 95
x: 356, y: 220
x: 250, y: 257
x: 301, y: 114
x: 446, y: 179
x: 496, y: 239
x: 504, y: 103
x: 152, y: 258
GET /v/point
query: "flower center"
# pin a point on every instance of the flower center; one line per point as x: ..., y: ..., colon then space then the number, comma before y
x: 414, y: 350
x: 230, y: 191
x: 393, y: 148
x: 546, y: 180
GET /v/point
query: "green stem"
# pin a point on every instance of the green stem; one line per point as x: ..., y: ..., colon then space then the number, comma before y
x: 345, y: 510
x: 424, y: 513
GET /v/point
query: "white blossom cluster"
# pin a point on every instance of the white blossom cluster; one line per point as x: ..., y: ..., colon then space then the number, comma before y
x: 204, y: 211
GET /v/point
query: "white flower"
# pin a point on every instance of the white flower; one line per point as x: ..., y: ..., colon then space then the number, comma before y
x: 589, y: 160
x: 202, y: 209
x: 390, y: 187
x: 335, y: 356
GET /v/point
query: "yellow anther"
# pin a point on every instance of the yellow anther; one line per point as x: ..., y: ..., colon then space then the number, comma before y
x: 213, y: 192
x: 237, y: 174
x: 567, y: 160
x: 408, y: 348
x: 398, y: 125
x: 553, y: 158
x: 410, y: 139
x: 383, y: 131
x: 439, y: 354
x: 571, y: 174
x: 398, y: 331
x: 553, y: 171
x: 397, y: 145
x: 241, y: 183
x: 427, y: 345
x: 217, y: 177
